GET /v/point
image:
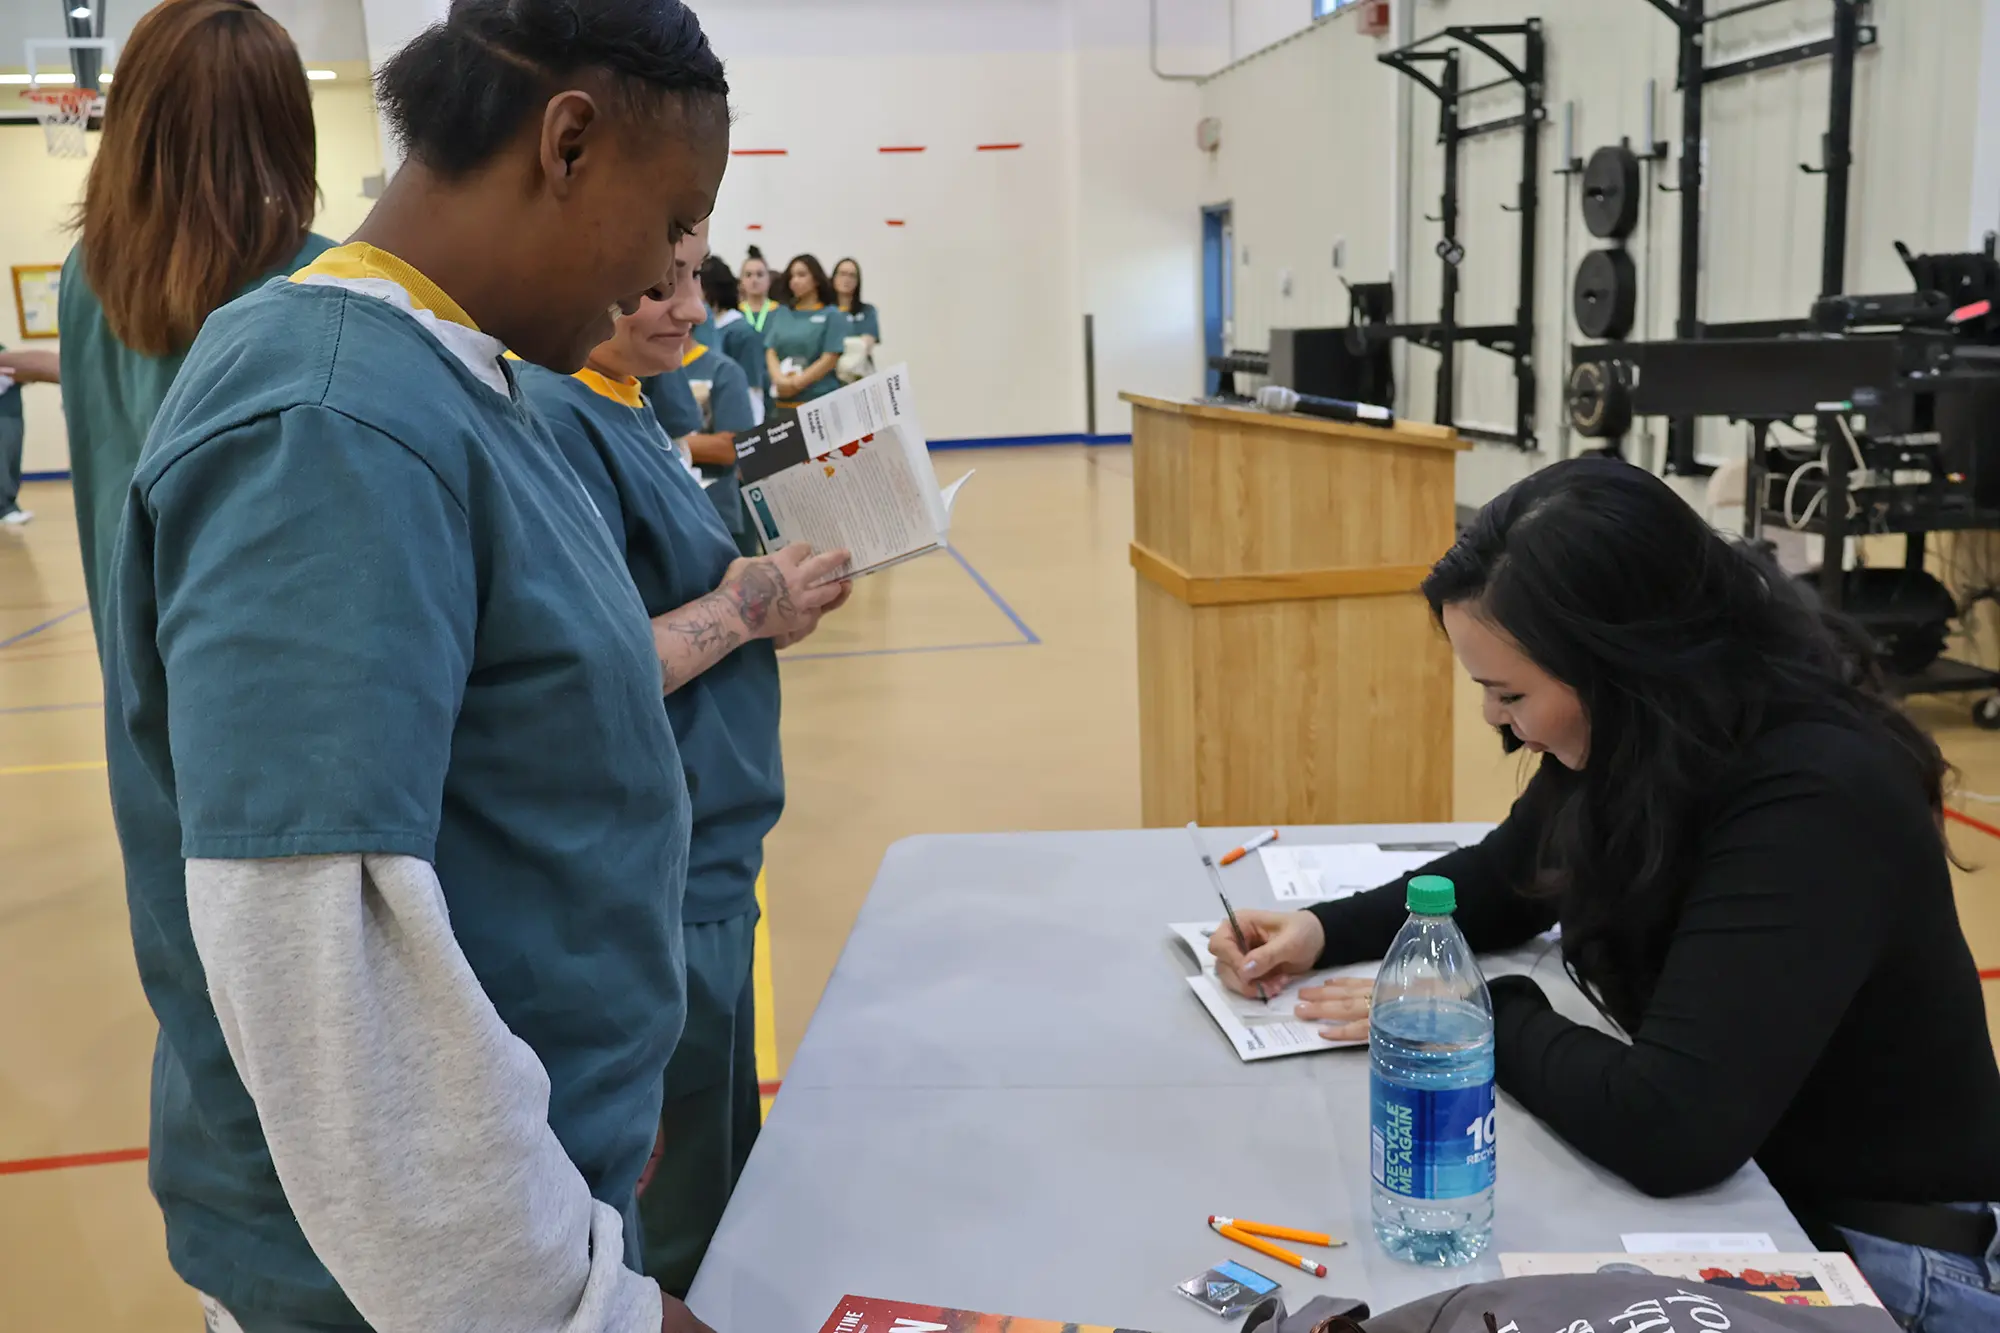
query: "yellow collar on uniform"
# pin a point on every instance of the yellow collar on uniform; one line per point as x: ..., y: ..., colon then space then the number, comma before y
x: 618, y: 391
x: 694, y: 353
x: 361, y: 260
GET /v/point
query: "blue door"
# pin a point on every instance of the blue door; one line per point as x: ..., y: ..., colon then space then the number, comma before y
x: 1217, y: 241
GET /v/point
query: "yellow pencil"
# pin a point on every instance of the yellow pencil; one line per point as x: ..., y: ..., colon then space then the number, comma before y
x: 1265, y: 1247
x: 1278, y: 1233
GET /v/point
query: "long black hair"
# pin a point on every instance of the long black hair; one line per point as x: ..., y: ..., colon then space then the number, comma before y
x: 1683, y: 647
x: 859, y: 304
x: 718, y: 285
x: 822, y: 285
x: 461, y: 88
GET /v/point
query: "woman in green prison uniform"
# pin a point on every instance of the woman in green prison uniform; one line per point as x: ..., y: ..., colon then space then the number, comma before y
x: 721, y: 672
x: 862, y: 321
x: 803, y: 340
x: 729, y: 331
x: 190, y: 201
x: 754, y: 282
x: 703, y: 405
x: 405, y: 830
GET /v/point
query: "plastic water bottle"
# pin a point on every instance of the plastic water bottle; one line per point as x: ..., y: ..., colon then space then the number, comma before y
x: 1430, y: 1050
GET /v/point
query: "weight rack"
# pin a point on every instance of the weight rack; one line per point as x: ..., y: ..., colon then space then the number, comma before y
x: 1515, y: 340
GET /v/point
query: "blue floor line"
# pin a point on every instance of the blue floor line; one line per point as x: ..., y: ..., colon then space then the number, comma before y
x: 996, y: 598
x: 46, y: 624
x: 51, y: 708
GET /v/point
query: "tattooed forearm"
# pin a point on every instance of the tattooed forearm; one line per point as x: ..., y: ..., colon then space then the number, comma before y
x: 757, y: 592
x: 694, y: 638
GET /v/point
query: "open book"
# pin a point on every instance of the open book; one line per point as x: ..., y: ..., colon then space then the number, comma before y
x: 1258, y: 1031
x: 851, y: 472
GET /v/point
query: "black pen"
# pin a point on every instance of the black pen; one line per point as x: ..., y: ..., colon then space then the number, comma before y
x: 1215, y: 878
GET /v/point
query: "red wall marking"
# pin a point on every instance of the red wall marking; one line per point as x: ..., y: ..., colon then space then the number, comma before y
x: 1989, y: 974
x: 897, y: 222
x: 24, y: 1165
x: 903, y: 148
x: 760, y: 152
x: 754, y: 226
x: 998, y: 147
x: 770, y: 1089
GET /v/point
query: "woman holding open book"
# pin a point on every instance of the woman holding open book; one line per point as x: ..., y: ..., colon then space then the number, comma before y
x: 718, y: 620
x: 1741, y: 838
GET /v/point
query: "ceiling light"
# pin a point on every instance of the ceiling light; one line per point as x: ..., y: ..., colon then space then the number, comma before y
x: 80, y: 12
x: 55, y: 76
x: 321, y: 75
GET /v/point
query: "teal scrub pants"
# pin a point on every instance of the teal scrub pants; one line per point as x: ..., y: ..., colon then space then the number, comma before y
x: 711, y: 1115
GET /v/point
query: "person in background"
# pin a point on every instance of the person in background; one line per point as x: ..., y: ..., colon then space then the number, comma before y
x: 862, y: 321
x: 727, y: 330
x: 803, y: 339
x: 204, y: 185
x: 755, y: 281
x: 404, y: 824
x: 16, y: 369
x: 717, y: 620
x: 1741, y: 836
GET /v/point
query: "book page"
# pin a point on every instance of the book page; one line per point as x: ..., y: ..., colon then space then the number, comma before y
x: 1341, y: 870
x: 1790, y: 1279
x: 865, y: 497
x: 1258, y: 1030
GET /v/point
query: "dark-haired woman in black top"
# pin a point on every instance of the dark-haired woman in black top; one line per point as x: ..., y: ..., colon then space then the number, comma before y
x: 1741, y: 840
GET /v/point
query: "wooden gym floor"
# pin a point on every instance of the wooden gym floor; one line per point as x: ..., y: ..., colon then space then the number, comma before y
x: 989, y: 689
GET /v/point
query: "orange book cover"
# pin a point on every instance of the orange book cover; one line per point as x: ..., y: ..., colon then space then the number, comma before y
x: 865, y: 1314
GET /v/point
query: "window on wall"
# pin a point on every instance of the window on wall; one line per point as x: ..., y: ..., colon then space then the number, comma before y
x: 1321, y: 8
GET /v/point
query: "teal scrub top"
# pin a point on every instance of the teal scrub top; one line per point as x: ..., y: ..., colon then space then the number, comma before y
x: 361, y: 604
x: 726, y: 719
x: 728, y: 390
x: 861, y: 322
x: 673, y: 404
x: 10, y: 398
x: 110, y: 396
x: 740, y: 342
x: 805, y: 336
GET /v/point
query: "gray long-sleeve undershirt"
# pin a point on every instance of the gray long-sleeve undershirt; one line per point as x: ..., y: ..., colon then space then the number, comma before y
x: 408, y: 1126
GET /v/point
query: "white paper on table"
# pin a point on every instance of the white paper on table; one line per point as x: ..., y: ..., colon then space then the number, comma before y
x: 1341, y: 870
x: 1257, y: 1030
x: 1831, y: 1275
x: 1698, y: 1242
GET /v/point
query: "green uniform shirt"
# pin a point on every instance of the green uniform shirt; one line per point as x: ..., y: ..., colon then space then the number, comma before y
x: 805, y: 336
x: 860, y: 322
x: 740, y: 341
x: 725, y: 719
x: 110, y: 396
x: 360, y: 604
x: 10, y: 398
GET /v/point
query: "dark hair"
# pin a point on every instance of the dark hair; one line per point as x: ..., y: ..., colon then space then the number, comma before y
x: 1683, y: 647
x: 758, y: 255
x: 461, y: 88
x: 718, y: 285
x: 206, y: 175
x: 858, y: 303
x: 822, y: 286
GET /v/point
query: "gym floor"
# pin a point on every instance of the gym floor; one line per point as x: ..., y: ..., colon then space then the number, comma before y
x: 991, y: 688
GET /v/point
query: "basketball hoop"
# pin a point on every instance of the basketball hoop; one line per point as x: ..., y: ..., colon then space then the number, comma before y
x: 65, y: 114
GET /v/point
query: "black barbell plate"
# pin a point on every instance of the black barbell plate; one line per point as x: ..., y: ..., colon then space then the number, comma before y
x: 1599, y: 401
x: 1606, y: 294
x: 1611, y: 192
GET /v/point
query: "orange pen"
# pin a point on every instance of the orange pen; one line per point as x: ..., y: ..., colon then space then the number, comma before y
x: 1277, y: 1233
x: 1231, y: 857
x: 1265, y: 1247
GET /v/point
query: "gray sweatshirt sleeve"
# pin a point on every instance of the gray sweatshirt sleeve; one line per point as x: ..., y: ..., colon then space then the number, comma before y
x: 408, y: 1125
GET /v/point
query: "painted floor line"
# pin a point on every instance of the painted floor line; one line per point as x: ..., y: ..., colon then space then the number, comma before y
x: 52, y: 708
x: 993, y: 595
x: 24, y: 769
x: 26, y: 1165
x: 46, y: 624
x: 897, y: 652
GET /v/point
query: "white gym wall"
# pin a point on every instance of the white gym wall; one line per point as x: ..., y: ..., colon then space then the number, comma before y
x: 1916, y: 114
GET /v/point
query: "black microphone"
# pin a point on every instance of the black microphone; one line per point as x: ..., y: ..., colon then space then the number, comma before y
x: 1277, y: 398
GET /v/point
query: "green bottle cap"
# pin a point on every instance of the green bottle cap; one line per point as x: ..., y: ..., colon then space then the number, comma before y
x: 1433, y: 895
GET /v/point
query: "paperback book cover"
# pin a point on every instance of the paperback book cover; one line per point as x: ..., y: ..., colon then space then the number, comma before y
x: 865, y: 1314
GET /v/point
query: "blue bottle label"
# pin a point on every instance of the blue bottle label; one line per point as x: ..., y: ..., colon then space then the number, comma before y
x: 1431, y: 1143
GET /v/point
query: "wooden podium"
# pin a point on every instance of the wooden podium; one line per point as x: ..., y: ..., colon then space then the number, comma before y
x: 1289, y: 670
